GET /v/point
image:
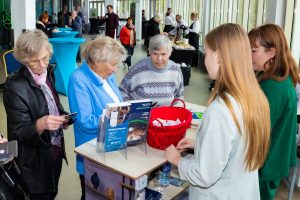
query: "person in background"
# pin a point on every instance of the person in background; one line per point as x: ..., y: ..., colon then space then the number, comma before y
x: 278, y: 74
x: 91, y: 87
x: 128, y: 39
x: 35, y: 116
x: 42, y: 24
x: 170, y: 21
x: 179, y: 30
x: 163, y: 82
x: 76, y: 25
x: 233, y: 138
x: 112, y: 22
x: 144, y: 15
x: 152, y: 28
x: 81, y: 15
x: 194, y: 31
x: 63, y: 17
x: 49, y: 17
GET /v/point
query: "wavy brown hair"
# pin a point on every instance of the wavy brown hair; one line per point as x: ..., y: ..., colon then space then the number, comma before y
x: 282, y: 65
x: 236, y: 78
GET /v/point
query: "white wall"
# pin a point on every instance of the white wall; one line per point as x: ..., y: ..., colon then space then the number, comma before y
x: 22, y: 16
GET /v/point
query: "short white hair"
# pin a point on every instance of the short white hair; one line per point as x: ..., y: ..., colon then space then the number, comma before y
x: 158, y: 17
x: 160, y: 41
x: 30, y: 43
x: 103, y: 49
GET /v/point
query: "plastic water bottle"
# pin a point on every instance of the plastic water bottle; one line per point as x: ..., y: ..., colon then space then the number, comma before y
x: 164, y: 175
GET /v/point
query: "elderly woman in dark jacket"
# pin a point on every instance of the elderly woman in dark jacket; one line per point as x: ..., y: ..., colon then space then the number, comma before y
x: 35, y: 116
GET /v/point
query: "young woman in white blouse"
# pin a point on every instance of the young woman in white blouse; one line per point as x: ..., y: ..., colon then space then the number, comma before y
x: 170, y: 21
x: 194, y: 30
x: 233, y: 139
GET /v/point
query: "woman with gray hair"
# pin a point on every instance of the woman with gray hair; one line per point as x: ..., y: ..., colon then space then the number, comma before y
x: 91, y: 87
x: 152, y: 28
x: 35, y: 116
x: 156, y: 77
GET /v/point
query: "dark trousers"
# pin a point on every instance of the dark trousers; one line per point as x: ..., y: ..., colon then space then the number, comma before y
x: 82, y: 183
x: 168, y: 28
x: 130, y: 51
x: 194, y: 41
x: 268, y: 189
x: 57, y: 171
x: 110, y: 33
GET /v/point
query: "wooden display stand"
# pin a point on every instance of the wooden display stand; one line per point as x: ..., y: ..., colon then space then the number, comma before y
x: 115, y: 177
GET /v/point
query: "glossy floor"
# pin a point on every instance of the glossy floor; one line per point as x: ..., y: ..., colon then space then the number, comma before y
x: 69, y: 185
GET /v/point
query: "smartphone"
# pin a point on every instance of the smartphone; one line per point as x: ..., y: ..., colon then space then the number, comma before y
x: 71, y: 115
x: 176, y: 181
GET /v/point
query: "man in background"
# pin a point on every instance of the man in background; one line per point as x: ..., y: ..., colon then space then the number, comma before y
x: 112, y: 22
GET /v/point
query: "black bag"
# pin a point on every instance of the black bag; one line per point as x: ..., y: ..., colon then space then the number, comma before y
x: 186, y: 73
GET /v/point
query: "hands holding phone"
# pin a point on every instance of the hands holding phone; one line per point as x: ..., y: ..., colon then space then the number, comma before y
x: 53, y: 122
x: 173, y: 153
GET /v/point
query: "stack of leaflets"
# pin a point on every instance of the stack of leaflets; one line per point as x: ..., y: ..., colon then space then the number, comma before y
x: 123, y: 124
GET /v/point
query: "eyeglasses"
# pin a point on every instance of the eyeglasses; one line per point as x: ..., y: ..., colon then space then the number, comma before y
x: 44, y: 60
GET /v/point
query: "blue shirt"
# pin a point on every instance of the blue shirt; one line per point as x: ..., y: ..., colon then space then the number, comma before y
x: 88, y: 98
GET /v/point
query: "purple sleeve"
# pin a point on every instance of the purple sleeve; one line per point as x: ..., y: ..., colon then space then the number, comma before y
x: 116, y: 22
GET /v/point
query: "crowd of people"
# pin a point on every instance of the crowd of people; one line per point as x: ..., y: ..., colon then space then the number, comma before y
x: 246, y: 142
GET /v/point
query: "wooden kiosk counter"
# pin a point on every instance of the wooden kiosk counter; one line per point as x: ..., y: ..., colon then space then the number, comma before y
x: 115, y: 177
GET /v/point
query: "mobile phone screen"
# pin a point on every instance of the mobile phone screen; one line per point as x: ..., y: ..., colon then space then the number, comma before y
x: 71, y: 115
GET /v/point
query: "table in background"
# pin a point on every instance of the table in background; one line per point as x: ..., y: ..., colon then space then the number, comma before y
x: 64, y: 50
x: 180, y: 55
x: 64, y: 34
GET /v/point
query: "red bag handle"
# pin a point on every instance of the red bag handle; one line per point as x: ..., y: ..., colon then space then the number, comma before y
x: 175, y: 100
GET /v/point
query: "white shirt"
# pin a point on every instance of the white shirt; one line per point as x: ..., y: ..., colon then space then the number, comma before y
x: 217, y: 170
x: 174, y: 30
x: 108, y: 89
x: 170, y: 20
x: 196, y: 27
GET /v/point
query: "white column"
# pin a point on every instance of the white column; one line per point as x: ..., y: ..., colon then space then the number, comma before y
x: 138, y: 19
x: 22, y: 16
x: 111, y: 2
x: 55, y: 11
x: 295, y: 47
x: 86, y: 10
x: 276, y: 12
x: 206, y: 17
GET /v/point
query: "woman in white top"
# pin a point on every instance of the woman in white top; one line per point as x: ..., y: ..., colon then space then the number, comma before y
x: 233, y: 139
x: 194, y: 30
x: 170, y: 21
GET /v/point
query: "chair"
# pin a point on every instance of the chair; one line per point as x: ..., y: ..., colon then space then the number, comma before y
x: 10, y: 64
x: 290, y: 181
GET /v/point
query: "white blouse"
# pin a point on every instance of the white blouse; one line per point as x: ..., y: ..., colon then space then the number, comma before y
x: 170, y: 20
x: 195, y: 27
x: 108, y: 89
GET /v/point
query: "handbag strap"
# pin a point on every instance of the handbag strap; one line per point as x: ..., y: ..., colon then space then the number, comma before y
x: 175, y: 100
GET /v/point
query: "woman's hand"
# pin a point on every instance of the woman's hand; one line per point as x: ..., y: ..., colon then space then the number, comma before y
x: 185, y: 144
x: 2, y: 139
x: 172, y: 155
x: 49, y: 122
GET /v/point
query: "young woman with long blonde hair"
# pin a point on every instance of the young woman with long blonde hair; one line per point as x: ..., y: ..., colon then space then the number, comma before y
x: 278, y: 75
x: 233, y: 139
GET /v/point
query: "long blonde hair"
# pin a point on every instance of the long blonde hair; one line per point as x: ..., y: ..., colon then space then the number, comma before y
x: 236, y: 78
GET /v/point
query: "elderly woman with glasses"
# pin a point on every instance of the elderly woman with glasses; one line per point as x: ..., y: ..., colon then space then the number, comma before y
x: 35, y: 116
x: 156, y: 77
x: 91, y: 87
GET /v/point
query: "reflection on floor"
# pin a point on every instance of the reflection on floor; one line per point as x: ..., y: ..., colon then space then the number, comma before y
x: 69, y: 186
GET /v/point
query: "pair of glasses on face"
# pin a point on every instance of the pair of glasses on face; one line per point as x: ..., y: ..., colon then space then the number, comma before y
x: 44, y: 60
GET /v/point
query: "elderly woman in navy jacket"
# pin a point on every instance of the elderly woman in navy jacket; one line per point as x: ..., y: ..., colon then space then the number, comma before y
x: 91, y: 87
x: 35, y: 116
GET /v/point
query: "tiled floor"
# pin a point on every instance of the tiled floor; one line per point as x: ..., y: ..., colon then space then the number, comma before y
x: 69, y: 186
